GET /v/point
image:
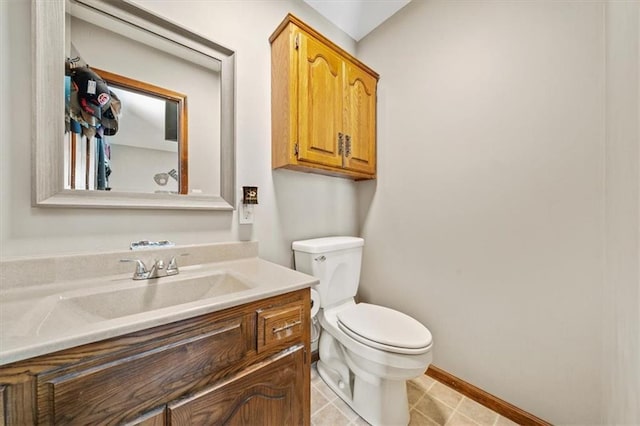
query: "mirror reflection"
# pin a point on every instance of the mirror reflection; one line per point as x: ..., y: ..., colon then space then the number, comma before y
x: 135, y: 142
x: 148, y: 152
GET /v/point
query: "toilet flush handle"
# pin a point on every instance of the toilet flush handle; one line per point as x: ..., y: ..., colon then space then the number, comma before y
x: 320, y: 259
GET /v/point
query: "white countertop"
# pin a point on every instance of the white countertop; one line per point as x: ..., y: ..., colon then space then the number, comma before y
x: 33, y: 322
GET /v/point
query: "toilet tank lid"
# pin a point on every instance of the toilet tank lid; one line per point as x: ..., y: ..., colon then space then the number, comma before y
x: 327, y: 244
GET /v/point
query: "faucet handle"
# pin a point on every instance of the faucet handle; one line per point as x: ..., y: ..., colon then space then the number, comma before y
x: 141, y: 272
x: 172, y: 267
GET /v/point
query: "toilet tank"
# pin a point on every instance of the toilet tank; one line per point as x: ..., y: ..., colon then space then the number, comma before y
x: 335, y: 261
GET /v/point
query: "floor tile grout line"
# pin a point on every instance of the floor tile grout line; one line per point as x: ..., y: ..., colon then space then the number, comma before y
x: 417, y: 401
x: 453, y: 410
x: 321, y: 408
x: 433, y: 383
x: 331, y: 402
x: 459, y: 403
x: 447, y: 405
x: 345, y: 414
x: 430, y: 418
x: 333, y: 396
x: 497, y: 416
x: 465, y: 416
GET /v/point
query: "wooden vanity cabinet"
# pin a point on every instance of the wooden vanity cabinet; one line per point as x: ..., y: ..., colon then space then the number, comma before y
x: 323, y: 105
x: 212, y: 369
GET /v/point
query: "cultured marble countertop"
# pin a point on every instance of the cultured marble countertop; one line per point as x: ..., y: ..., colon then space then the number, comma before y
x: 41, y: 319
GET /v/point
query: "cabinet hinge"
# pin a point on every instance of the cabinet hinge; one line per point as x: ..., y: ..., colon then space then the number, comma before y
x: 296, y: 41
x: 296, y: 149
x: 347, y: 145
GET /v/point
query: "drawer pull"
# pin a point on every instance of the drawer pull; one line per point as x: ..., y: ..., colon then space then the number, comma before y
x: 277, y: 330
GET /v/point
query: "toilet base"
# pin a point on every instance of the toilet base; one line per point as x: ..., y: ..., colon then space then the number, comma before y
x: 383, y: 403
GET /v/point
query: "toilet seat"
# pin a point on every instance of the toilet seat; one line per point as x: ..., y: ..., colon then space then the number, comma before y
x: 385, y: 329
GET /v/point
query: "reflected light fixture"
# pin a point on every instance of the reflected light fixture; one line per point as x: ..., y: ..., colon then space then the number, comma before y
x: 163, y: 178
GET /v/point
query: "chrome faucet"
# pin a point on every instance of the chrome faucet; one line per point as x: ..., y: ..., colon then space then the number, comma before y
x: 157, y: 270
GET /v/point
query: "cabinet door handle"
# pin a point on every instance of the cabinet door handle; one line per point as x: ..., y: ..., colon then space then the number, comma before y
x: 340, y: 143
x: 348, y: 145
x: 276, y: 330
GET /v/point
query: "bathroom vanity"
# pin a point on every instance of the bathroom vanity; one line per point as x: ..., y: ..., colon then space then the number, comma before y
x: 233, y: 358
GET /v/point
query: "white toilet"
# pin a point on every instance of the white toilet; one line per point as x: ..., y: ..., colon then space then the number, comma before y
x: 367, y: 352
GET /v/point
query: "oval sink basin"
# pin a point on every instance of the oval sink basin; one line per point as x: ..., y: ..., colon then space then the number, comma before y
x: 155, y: 294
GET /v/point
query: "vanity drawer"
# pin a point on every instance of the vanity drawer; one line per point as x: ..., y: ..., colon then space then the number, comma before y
x: 279, y: 325
x: 118, y: 390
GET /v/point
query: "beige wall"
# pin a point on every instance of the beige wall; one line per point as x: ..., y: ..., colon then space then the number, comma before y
x: 292, y: 205
x: 621, y: 360
x: 486, y: 221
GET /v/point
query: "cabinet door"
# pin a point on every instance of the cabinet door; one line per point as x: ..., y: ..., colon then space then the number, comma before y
x: 153, y: 418
x: 17, y: 404
x: 270, y: 393
x: 320, y: 102
x: 360, y: 120
x: 118, y: 390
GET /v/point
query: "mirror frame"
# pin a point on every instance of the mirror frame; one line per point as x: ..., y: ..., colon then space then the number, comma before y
x: 48, y: 54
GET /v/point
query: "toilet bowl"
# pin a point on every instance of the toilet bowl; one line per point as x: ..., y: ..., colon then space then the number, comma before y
x: 374, y: 380
x: 367, y: 352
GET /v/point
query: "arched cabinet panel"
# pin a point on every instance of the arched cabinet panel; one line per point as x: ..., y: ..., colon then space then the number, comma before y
x: 360, y: 151
x: 323, y: 105
x: 320, y: 87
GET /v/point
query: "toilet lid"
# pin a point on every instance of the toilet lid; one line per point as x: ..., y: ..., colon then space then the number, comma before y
x: 384, y: 328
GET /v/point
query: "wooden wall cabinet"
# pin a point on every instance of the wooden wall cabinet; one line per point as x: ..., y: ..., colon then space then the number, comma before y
x: 323, y: 105
x: 210, y: 369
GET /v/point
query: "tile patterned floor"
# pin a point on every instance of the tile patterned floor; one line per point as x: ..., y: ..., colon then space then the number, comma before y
x: 430, y: 403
